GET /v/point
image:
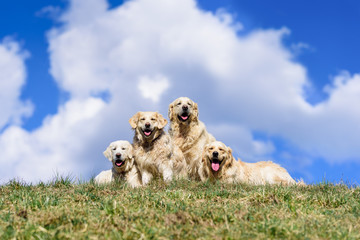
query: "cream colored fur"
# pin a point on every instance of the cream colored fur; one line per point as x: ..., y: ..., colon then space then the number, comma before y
x: 128, y: 170
x: 155, y: 154
x: 191, y: 135
x: 232, y: 171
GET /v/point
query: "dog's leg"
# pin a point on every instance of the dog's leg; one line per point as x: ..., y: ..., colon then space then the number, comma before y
x: 146, y: 177
x: 167, y: 173
x: 133, y: 178
x: 104, y: 177
x: 202, y: 174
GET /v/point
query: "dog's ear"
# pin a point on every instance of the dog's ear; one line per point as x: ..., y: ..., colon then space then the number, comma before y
x: 107, y: 153
x: 171, y: 111
x: 203, y: 157
x: 196, y: 110
x: 134, y: 120
x: 131, y: 151
x: 161, y: 120
x: 230, y: 158
x: 229, y: 150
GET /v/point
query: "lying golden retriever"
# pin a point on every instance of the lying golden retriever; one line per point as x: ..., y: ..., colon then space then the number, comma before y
x: 153, y: 149
x: 120, y: 153
x: 188, y: 132
x: 218, y: 163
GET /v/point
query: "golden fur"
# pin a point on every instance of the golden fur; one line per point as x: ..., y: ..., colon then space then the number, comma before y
x: 153, y: 149
x: 120, y: 153
x: 218, y: 163
x: 188, y: 132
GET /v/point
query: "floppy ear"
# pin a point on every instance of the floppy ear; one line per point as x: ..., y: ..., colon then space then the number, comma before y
x: 134, y: 119
x: 162, y: 121
x: 203, y: 158
x: 229, y: 150
x: 196, y: 111
x: 230, y: 159
x: 171, y: 111
x: 131, y: 152
x: 107, y: 153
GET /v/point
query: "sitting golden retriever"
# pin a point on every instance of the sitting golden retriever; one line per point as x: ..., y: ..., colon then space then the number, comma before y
x: 218, y: 163
x: 153, y: 149
x: 120, y: 153
x: 188, y: 132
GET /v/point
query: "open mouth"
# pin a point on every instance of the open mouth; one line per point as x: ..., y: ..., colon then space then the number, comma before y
x: 119, y: 163
x: 147, y: 132
x: 215, y: 164
x: 183, y: 117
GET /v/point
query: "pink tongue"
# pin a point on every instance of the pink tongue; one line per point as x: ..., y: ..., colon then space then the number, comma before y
x: 215, y: 166
x: 118, y: 164
x: 184, y: 117
x: 147, y: 133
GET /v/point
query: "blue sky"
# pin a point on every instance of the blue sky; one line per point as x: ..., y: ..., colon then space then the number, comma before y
x: 274, y: 80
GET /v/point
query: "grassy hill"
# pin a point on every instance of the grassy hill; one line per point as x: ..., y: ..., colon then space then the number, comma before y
x: 180, y: 210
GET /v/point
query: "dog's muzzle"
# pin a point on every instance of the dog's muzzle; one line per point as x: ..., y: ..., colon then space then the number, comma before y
x: 147, y: 131
x: 215, y: 163
x: 184, y: 115
x: 119, y: 162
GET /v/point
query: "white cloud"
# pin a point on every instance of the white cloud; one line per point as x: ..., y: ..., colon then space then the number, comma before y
x: 300, y: 47
x: 53, y: 148
x: 153, y: 88
x: 49, y: 12
x: 242, y: 84
x: 12, y: 79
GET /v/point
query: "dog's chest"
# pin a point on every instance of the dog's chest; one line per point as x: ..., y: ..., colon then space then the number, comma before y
x: 152, y: 156
x: 119, y: 176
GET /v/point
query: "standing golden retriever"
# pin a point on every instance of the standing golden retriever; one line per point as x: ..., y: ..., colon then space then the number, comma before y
x: 188, y: 132
x: 218, y: 163
x: 120, y: 153
x: 153, y: 149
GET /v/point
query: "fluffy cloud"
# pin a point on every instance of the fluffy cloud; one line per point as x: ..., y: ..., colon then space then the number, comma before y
x: 153, y: 88
x: 146, y: 53
x: 12, y: 79
x: 53, y: 148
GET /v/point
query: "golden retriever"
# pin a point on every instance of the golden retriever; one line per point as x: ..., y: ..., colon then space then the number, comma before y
x: 120, y: 153
x: 218, y: 163
x: 153, y: 149
x: 188, y: 132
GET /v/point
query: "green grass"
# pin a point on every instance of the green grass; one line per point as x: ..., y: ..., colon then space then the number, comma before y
x: 180, y: 210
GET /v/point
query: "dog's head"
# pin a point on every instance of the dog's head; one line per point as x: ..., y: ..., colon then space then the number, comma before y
x: 216, y: 156
x: 183, y: 110
x: 148, y: 125
x: 120, y: 153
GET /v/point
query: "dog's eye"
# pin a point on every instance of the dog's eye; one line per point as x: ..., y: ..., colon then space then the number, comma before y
x: 142, y: 119
x: 189, y: 103
x: 179, y: 103
x: 123, y: 148
x: 221, y: 150
x: 114, y: 148
x: 153, y: 119
x: 211, y: 148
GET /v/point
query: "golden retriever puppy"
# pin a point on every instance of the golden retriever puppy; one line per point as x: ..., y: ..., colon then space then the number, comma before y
x: 120, y: 153
x: 218, y: 163
x: 188, y: 132
x: 153, y: 149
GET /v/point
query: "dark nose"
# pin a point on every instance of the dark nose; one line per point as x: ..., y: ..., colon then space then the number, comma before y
x: 185, y: 107
x: 118, y: 155
x: 147, y: 125
x: 215, y: 154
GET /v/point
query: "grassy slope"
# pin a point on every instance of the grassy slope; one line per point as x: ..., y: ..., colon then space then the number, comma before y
x: 181, y: 210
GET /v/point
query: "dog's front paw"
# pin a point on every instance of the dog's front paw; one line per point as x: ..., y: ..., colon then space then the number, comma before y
x: 167, y: 175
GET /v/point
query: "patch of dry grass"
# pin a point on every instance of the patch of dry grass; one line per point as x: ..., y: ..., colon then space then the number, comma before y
x: 181, y: 210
